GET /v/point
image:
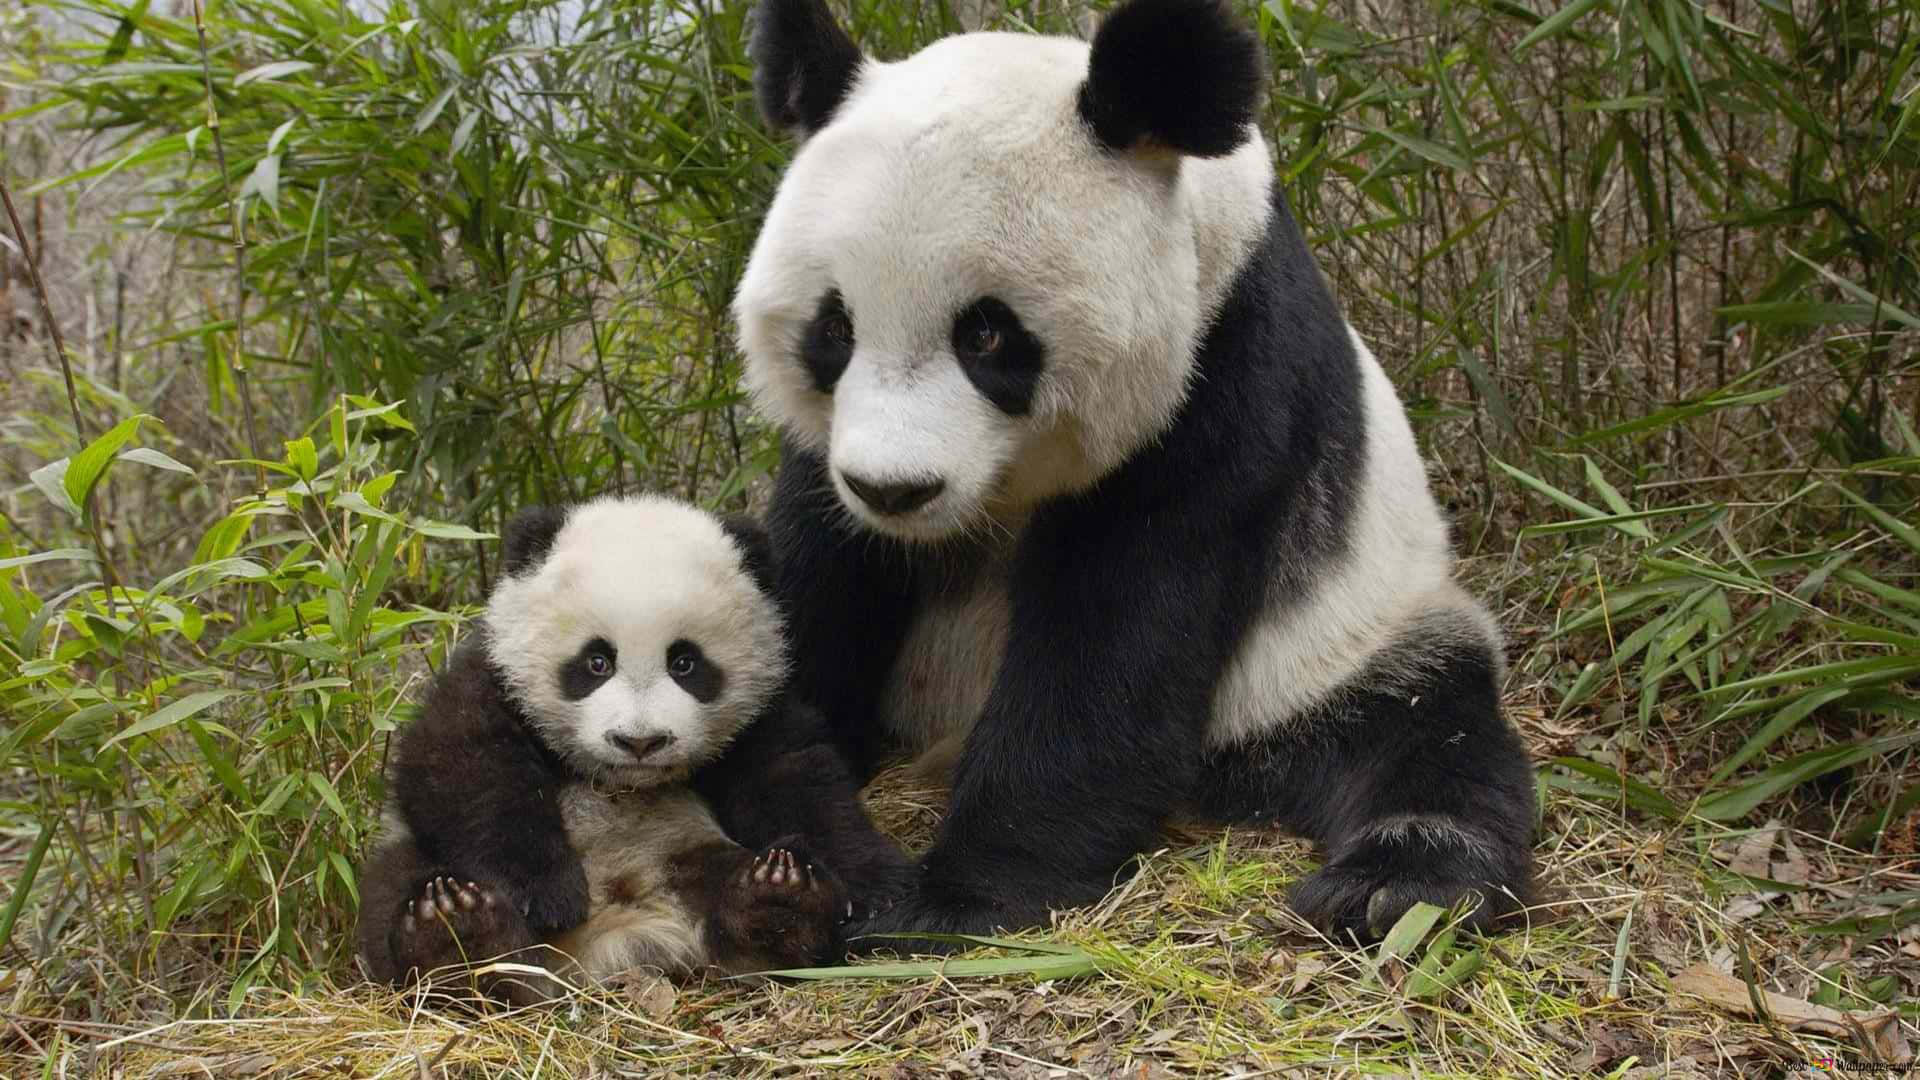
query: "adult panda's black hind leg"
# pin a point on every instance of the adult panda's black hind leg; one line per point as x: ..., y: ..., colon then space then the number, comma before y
x: 1411, y: 781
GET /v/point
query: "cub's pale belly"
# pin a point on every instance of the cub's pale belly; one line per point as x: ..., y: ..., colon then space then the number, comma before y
x: 628, y: 845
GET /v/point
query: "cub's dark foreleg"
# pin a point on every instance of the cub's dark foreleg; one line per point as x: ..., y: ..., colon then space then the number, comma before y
x: 780, y: 908
x: 784, y: 776
x: 1417, y: 789
x: 481, y: 797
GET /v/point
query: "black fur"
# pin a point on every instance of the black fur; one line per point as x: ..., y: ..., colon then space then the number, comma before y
x: 1127, y: 603
x: 577, y: 677
x: 479, y: 794
x: 791, y: 751
x: 1435, y: 746
x: 756, y: 551
x: 529, y: 537
x: 1007, y: 375
x: 804, y: 64
x: 702, y: 678
x: 827, y: 347
x: 1180, y: 74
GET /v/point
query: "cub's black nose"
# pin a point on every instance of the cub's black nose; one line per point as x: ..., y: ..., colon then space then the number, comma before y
x: 898, y: 497
x: 642, y: 748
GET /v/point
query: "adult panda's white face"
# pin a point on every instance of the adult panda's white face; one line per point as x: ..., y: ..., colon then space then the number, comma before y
x: 635, y: 638
x: 974, y: 290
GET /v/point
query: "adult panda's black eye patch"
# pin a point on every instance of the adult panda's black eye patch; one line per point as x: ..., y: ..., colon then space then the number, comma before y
x: 585, y: 670
x: 1000, y: 358
x: 696, y: 674
x: 827, y: 346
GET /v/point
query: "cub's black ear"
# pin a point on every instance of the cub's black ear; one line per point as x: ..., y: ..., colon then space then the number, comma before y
x: 529, y: 537
x: 756, y: 548
x: 804, y: 64
x: 1181, y: 75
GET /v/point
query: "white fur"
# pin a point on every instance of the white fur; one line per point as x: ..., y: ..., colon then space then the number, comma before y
x: 641, y: 572
x: 1435, y: 832
x: 961, y: 172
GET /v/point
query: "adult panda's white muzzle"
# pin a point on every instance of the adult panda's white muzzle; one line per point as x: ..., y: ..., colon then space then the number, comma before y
x: 914, y: 448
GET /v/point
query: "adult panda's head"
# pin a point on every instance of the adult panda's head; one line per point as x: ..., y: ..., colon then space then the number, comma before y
x: 638, y: 635
x: 985, y: 273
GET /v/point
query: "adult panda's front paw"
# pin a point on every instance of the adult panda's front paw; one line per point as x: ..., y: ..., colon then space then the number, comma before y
x: 1365, y: 892
x: 936, y: 910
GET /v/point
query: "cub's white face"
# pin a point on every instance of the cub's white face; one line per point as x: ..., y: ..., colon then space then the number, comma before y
x: 966, y: 303
x: 640, y: 645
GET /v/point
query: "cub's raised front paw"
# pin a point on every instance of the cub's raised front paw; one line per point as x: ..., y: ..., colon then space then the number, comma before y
x: 782, y: 909
x: 777, y: 871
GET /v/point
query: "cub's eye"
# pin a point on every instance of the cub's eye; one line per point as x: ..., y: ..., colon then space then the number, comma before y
x: 983, y: 341
x: 682, y: 666
x: 839, y: 329
x: 599, y: 665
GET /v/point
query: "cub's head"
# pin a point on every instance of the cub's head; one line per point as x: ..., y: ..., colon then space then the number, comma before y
x: 985, y: 273
x: 637, y: 634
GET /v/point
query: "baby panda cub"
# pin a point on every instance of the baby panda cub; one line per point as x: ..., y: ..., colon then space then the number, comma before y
x: 572, y: 778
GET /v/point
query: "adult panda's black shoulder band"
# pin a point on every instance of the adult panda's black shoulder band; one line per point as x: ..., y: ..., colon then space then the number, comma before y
x: 1184, y: 75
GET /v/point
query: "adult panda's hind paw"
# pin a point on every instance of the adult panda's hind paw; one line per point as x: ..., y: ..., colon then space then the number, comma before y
x: 1366, y: 891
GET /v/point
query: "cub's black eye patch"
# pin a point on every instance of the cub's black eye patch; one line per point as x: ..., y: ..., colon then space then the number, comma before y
x: 694, y: 672
x: 999, y: 357
x: 827, y: 347
x: 583, y: 673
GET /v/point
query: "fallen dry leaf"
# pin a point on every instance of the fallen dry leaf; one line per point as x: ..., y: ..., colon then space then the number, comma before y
x: 1729, y: 993
x: 1753, y: 855
x: 1791, y: 867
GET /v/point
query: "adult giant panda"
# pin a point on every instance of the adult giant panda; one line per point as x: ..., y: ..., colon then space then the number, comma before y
x: 1088, y: 480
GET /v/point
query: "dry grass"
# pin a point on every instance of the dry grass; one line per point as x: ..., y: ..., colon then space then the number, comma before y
x: 1203, y: 971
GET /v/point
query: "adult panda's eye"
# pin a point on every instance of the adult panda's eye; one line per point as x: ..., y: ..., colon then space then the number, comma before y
x: 599, y: 665
x: 983, y: 341
x: 999, y: 355
x: 839, y: 330
x: 827, y: 346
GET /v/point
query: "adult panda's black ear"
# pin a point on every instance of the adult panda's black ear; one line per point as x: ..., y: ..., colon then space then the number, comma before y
x: 1180, y: 75
x: 529, y: 537
x: 756, y: 548
x: 804, y: 65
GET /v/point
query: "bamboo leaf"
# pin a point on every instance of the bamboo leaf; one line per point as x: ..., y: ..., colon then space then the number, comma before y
x: 279, y: 69
x: 1555, y: 24
x: 173, y: 713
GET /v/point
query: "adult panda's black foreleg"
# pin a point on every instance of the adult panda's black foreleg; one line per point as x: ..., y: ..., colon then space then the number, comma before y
x: 847, y: 595
x: 1092, y: 733
x: 1410, y: 779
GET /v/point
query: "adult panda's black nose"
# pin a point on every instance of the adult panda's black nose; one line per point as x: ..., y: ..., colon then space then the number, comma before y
x: 641, y: 749
x: 899, y: 497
